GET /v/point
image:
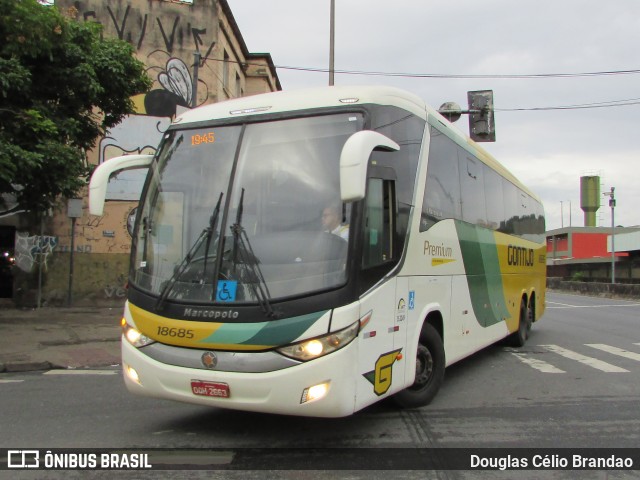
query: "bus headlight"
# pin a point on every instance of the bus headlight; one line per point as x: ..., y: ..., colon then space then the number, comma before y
x: 317, y: 347
x: 135, y: 337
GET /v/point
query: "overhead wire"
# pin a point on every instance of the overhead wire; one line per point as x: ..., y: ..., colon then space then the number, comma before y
x: 606, y: 104
x: 603, y: 73
x: 465, y: 76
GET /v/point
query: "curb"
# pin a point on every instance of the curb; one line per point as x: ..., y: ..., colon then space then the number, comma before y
x: 26, y: 367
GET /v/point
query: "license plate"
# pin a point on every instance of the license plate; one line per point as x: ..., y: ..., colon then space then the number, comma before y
x: 210, y: 389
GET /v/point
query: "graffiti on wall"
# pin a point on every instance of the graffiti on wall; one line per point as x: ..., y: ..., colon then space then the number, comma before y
x: 167, y: 37
x: 169, y: 28
x: 141, y: 133
x: 33, y: 250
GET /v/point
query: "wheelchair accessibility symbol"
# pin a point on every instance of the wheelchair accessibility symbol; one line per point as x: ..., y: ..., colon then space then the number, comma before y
x: 226, y: 291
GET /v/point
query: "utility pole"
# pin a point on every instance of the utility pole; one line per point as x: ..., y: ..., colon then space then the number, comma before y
x: 332, y: 36
x: 612, y: 204
x: 74, y: 211
x: 569, y: 213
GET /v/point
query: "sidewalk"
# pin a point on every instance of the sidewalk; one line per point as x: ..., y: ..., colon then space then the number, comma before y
x: 46, y: 338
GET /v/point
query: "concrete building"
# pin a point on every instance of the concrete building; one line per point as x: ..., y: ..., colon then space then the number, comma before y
x: 195, y: 54
x: 584, y: 253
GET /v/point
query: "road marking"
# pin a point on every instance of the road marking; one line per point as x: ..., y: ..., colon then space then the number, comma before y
x: 11, y: 381
x: 591, y: 362
x: 537, y: 364
x: 80, y: 372
x: 615, y: 351
x: 566, y: 305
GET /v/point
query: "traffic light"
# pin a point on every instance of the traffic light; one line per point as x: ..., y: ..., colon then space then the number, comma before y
x: 481, y: 121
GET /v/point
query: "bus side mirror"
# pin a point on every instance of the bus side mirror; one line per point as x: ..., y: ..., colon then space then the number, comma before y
x: 100, y: 177
x: 354, y: 159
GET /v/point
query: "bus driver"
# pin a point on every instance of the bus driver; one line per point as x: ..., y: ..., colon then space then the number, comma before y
x: 331, y: 216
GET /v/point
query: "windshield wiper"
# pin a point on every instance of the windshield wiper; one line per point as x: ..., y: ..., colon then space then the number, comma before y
x: 213, y: 223
x: 243, y: 252
x: 206, y: 234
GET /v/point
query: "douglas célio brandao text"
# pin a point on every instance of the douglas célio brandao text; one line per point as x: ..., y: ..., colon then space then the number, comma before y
x: 551, y: 462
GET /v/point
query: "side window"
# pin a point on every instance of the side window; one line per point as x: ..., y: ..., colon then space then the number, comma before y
x: 379, y: 223
x: 442, y: 190
x: 511, y: 210
x: 407, y: 131
x: 540, y: 223
x: 523, y: 209
x: 472, y: 189
x: 532, y: 216
x: 494, y: 198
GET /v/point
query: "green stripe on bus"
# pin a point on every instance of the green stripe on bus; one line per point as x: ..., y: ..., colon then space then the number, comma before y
x: 482, y: 268
x: 271, y: 333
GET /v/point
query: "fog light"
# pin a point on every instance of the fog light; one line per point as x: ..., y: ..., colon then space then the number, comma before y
x: 133, y: 374
x: 316, y: 392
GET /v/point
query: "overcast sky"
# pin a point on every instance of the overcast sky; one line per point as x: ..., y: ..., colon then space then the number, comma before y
x: 548, y: 150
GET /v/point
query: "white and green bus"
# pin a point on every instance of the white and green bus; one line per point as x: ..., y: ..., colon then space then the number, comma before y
x: 241, y: 295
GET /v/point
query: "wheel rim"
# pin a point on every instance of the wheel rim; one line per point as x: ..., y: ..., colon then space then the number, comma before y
x: 424, y: 367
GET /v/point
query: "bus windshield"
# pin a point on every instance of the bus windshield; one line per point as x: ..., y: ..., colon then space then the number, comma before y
x: 239, y: 213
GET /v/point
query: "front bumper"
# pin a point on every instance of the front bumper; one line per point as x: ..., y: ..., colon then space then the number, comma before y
x: 277, y: 391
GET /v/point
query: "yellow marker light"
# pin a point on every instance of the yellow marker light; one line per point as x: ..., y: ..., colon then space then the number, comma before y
x: 133, y: 374
x: 316, y: 392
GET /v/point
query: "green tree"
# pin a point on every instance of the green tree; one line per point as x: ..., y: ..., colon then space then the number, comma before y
x: 61, y: 87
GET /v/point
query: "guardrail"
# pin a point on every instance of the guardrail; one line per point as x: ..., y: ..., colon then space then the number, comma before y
x: 595, y: 288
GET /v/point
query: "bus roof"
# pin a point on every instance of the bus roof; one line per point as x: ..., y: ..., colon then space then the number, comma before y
x: 341, y: 96
x: 306, y: 99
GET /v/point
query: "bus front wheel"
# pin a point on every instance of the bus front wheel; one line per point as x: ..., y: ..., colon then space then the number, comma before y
x: 430, y: 363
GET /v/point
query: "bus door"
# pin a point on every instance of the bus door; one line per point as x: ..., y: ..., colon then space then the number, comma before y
x: 381, y: 343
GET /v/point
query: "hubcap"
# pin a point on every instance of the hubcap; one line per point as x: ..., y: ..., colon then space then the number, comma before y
x: 424, y: 366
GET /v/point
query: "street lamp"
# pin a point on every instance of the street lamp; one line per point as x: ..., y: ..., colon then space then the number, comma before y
x: 612, y: 204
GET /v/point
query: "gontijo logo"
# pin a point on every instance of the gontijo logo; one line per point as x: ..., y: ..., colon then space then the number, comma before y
x: 520, y: 256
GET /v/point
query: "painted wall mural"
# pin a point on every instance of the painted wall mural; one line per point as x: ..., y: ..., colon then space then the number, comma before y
x: 140, y: 134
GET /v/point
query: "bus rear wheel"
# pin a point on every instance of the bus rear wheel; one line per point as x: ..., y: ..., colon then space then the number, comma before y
x: 430, y: 363
x: 520, y: 336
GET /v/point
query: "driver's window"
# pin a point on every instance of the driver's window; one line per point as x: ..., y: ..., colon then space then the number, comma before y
x: 379, y: 222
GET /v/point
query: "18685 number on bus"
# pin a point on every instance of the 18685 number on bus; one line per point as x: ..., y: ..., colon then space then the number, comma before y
x: 175, y: 332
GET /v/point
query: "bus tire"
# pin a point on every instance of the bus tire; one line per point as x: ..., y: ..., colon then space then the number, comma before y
x: 520, y: 336
x: 430, y: 363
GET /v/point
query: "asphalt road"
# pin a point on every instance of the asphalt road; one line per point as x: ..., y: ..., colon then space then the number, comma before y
x: 576, y: 384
